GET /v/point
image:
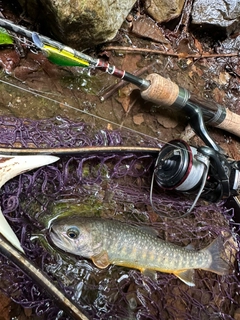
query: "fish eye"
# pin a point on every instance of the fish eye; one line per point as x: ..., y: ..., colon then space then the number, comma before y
x: 73, y: 232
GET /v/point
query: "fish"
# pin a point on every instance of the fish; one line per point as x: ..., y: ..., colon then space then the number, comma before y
x: 10, y: 167
x: 107, y: 241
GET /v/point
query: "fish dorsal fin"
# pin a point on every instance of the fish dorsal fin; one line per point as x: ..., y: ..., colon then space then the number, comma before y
x: 101, y: 260
x: 186, y: 276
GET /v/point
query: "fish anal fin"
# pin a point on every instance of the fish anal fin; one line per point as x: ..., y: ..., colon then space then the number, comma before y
x: 186, y: 276
x: 101, y: 260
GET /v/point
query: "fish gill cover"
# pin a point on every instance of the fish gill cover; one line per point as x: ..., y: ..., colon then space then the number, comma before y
x: 108, y: 186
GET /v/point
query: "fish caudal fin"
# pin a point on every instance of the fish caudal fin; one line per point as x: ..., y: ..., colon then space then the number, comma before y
x: 218, y: 265
x: 187, y: 277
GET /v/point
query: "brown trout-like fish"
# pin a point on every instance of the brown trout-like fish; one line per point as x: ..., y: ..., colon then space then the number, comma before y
x: 108, y: 242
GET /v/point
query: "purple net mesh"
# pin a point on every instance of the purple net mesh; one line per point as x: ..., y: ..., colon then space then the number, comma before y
x: 114, y: 186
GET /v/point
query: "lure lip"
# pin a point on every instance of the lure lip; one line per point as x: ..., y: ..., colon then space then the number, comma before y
x: 37, y: 41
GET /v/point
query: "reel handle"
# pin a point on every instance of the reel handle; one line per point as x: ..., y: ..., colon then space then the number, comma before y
x: 163, y: 91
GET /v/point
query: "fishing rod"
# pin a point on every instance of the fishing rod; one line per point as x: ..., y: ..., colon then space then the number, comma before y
x: 154, y: 88
x: 78, y: 150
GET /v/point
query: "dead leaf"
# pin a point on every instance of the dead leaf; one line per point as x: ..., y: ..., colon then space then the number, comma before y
x: 166, y: 122
x: 109, y: 126
x: 125, y: 101
x: 138, y: 118
x: 218, y: 95
x: 198, y: 46
x: 237, y: 314
x: 183, y: 55
x: 224, y: 77
x: 198, y: 71
x: 5, y: 307
x: 146, y: 27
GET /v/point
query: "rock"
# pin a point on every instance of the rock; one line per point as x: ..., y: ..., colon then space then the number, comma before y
x: 164, y: 10
x: 80, y: 24
x: 218, y: 13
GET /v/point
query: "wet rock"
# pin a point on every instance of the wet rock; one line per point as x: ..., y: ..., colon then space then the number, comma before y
x: 81, y: 24
x: 218, y: 13
x: 230, y: 44
x: 164, y: 10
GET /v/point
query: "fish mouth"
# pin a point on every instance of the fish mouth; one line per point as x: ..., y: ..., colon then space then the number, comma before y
x: 54, y: 236
x: 60, y: 241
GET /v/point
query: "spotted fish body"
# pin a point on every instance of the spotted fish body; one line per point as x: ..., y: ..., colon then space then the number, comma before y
x: 108, y: 242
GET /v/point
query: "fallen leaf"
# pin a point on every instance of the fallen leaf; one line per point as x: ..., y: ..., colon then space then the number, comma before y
x: 109, y: 126
x: 224, y: 77
x: 125, y: 101
x: 237, y: 314
x: 198, y: 45
x: 138, y: 118
x: 147, y: 28
x: 182, y: 55
x: 124, y: 97
x: 218, y: 95
x: 198, y: 71
x: 5, y: 307
x: 167, y: 122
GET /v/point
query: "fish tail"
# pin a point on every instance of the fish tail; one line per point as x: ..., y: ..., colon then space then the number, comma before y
x: 218, y: 265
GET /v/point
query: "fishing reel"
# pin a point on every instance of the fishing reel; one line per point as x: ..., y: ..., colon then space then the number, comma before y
x: 205, y: 171
x: 197, y: 170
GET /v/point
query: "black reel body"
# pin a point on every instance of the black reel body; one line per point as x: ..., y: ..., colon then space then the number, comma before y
x: 202, y: 171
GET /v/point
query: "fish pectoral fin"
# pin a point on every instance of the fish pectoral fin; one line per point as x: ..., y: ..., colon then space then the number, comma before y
x: 101, y: 260
x: 149, y: 273
x: 186, y: 276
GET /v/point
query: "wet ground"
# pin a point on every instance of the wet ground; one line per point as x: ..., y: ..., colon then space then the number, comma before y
x: 31, y: 87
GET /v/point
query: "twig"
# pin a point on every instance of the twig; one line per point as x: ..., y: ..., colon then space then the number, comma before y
x: 172, y: 54
x: 128, y: 110
x: 185, y: 16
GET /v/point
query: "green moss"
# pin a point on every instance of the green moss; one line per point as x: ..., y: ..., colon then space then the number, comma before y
x: 68, y: 207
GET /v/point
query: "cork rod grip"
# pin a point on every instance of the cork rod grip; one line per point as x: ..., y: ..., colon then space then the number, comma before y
x: 161, y: 91
x: 231, y: 123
